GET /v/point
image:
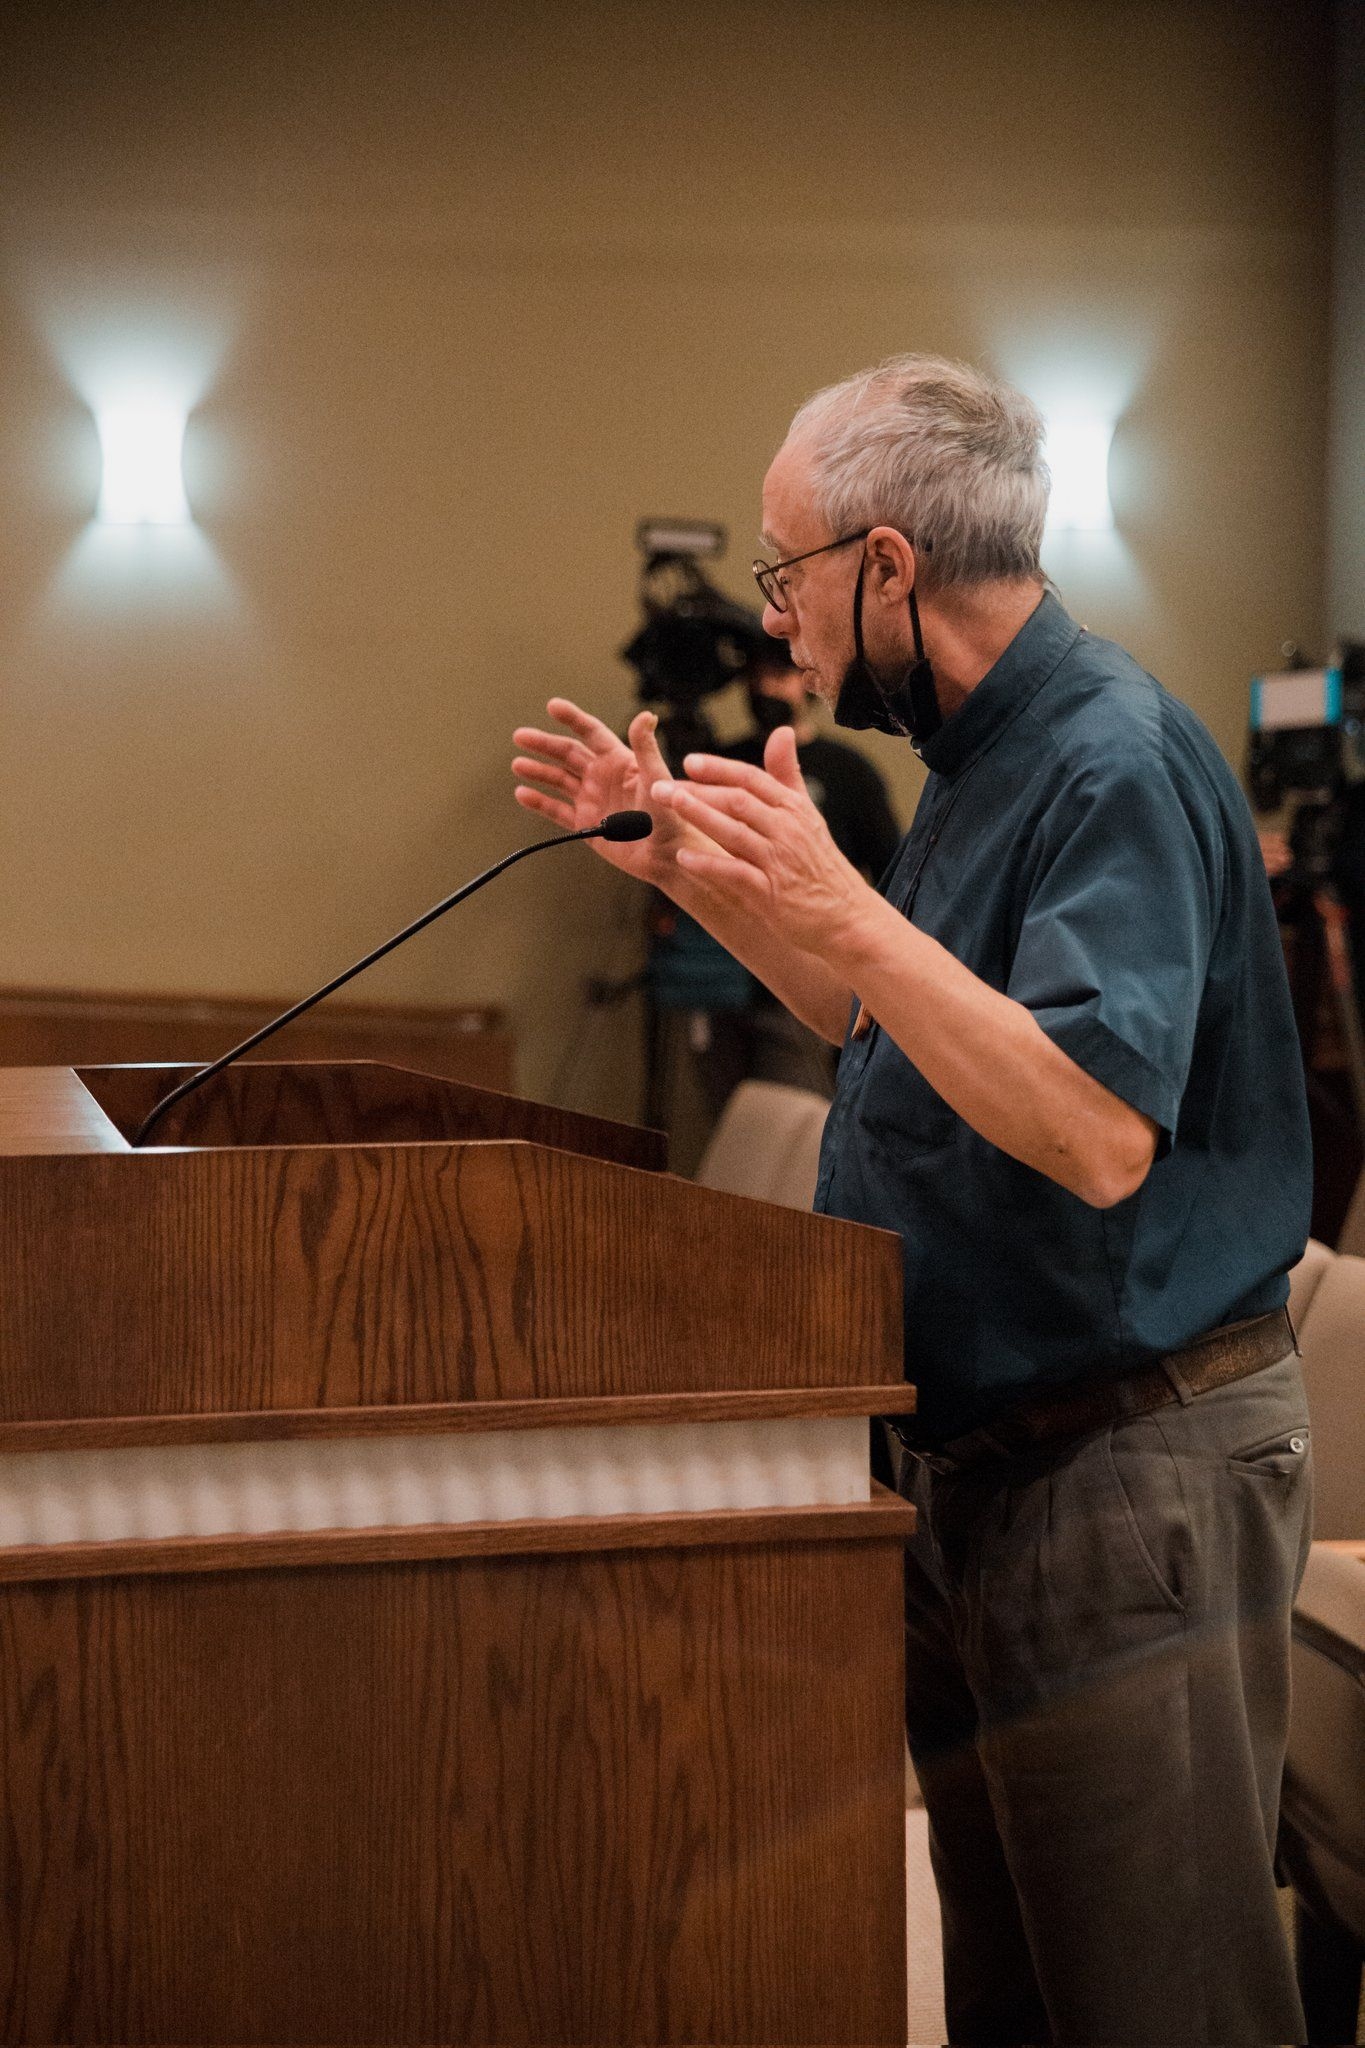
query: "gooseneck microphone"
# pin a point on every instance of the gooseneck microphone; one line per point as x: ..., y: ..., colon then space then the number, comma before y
x: 618, y: 825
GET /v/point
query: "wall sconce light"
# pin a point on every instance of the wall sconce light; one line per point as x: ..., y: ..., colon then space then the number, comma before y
x: 142, y: 443
x: 1077, y: 453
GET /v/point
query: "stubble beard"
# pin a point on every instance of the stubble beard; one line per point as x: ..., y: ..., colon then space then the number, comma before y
x: 818, y: 684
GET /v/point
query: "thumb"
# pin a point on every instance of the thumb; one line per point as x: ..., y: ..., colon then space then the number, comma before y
x: 645, y: 747
x: 779, y: 758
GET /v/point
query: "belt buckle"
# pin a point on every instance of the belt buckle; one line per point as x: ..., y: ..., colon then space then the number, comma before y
x: 935, y: 1462
x: 902, y: 1428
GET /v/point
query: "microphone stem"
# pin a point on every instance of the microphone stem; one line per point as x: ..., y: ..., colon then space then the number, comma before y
x: 338, y: 981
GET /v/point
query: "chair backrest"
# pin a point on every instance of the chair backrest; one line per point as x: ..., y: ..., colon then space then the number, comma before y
x: 1332, y: 1338
x: 1333, y: 1596
x: 1322, y: 1835
x: 1303, y: 1280
x: 1352, y: 1237
x: 767, y: 1144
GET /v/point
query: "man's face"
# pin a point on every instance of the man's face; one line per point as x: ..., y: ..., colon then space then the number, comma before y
x: 818, y: 622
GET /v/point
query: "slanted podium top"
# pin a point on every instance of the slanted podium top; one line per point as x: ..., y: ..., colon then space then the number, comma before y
x: 317, y: 1236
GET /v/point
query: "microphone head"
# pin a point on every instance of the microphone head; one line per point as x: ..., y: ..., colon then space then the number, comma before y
x: 626, y: 825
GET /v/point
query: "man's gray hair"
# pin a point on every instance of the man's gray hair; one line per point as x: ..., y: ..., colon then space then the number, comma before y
x: 947, y: 455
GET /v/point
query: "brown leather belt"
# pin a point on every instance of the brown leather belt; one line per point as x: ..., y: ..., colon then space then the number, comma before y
x: 1214, y: 1360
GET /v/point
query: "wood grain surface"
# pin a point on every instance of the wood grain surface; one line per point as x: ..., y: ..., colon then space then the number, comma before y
x: 356, y: 1103
x: 302, y: 1425
x: 198, y: 1282
x: 85, y: 1027
x: 638, y: 1798
x: 46, y: 1110
x: 886, y: 1514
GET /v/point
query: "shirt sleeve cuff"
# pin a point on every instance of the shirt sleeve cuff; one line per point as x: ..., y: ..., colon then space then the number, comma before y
x: 1112, y: 1062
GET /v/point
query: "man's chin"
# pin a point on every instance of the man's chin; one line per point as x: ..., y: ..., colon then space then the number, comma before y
x: 817, y: 685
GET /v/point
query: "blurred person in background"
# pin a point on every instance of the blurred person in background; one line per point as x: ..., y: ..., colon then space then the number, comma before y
x: 754, y: 1037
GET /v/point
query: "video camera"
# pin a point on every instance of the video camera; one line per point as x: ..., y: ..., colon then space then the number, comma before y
x: 1307, y: 728
x: 695, y: 640
x: 1306, y: 743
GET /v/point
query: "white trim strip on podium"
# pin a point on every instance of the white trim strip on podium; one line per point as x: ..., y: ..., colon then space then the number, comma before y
x: 117, y: 1496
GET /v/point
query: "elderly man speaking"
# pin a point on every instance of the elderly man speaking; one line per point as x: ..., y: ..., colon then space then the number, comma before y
x: 1070, y: 1081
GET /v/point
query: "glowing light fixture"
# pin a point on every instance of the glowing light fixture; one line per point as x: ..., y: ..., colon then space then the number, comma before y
x: 142, y: 442
x: 1078, y: 455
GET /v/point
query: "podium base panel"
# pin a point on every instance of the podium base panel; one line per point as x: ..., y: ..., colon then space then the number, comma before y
x: 652, y: 1796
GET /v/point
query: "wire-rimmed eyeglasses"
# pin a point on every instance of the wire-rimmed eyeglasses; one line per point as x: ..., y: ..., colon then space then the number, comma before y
x: 768, y: 575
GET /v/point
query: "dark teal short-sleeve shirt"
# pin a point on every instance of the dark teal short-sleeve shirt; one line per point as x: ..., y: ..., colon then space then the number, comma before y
x: 1082, y: 845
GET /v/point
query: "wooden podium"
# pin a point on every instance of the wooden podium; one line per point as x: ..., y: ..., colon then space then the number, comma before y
x: 441, y: 1595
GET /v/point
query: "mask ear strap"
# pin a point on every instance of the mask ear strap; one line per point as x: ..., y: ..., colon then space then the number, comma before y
x: 914, y: 626
x: 858, y: 615
x: 911, y: 708
x: 858, y: 610
x: 927, y: 717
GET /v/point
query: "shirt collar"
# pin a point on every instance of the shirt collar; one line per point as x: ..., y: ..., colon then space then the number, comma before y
x: 1045, y: 638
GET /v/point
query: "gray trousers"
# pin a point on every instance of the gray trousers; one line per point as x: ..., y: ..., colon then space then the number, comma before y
x: 1097, y: 1700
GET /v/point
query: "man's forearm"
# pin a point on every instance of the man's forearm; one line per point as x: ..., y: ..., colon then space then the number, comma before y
x: 990, y: 1059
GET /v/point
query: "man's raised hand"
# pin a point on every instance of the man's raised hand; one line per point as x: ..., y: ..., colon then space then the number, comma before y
x: 574, y: 778
x: 770, y: 851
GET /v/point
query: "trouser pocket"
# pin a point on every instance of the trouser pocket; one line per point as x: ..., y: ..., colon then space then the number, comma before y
x: 1285, y: 1455
x: 1147, y: 1483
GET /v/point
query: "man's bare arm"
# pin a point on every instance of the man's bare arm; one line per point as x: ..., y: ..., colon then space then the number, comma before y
x: 984, y: 1052
x: 988, y: 1056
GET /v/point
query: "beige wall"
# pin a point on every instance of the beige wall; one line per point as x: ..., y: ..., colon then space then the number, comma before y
x: 1346, y: 454
x: 458, y: 295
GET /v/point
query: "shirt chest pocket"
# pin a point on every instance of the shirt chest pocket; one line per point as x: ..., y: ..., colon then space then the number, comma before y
x: 896, y: 1106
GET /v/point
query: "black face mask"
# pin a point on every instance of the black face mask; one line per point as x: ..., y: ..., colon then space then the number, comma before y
x: 908, y: 707
x: 769, y: 713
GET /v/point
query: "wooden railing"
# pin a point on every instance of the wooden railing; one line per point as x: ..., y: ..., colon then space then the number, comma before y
x: 78, y: 1028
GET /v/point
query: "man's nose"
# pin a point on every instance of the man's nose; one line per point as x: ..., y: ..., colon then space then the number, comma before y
x: 778, y: 625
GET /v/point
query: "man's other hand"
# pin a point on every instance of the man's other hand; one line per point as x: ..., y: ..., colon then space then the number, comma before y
x: 771, y: 851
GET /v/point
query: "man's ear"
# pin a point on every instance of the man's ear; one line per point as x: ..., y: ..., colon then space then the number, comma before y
x: 890, y: 567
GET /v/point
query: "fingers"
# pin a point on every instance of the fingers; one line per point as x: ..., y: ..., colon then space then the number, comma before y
x: 716, y: 819
x: 596, y: 737
x: 553, y: 744
x: 527, y: 770
x: 562, y: 765
x: 545, y: 806
x: 714, y: 768
x: 642, y: 735
x: 703, y: 800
